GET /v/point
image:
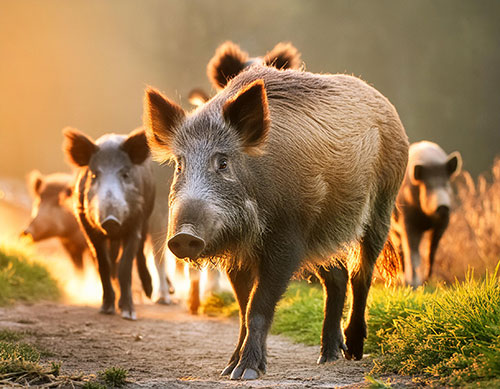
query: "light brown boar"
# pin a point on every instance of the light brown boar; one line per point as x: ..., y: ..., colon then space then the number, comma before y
x: 52, y: 213
x: 283, y: 171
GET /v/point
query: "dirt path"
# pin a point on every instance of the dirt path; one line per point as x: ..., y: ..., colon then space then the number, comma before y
x: 167, y: 348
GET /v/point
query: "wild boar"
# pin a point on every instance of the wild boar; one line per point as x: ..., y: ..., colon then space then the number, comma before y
x: 52, y: 213
x: 423, y: 204
x: 229, y: 60
x: 115, y: 194
x: 283, y: 171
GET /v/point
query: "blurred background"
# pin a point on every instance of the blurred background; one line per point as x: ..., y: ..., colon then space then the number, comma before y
x: 85, y: 64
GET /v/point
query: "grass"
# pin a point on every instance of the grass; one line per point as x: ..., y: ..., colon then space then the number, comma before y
x: 220, y: 304
x: 300, y: 314
x: 20, y: 362
x: 450, y: 335
x: 114, y: 377
x: 23, y: 279
x: 20, y: 366
x: 446, y: 335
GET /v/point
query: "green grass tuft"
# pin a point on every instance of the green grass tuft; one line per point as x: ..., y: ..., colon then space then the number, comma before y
x: 220, y: 304
x: 22, y: 279
x: 300, y: 313
x: 452, y: 336
x: 114, y: 376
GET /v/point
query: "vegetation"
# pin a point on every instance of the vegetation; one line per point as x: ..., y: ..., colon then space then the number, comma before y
x: 23, y: 279
x: 472, y: 239
x: 447, y: 335
x: 20, y: 362
x: 220, y: 304
x: 114, y: 376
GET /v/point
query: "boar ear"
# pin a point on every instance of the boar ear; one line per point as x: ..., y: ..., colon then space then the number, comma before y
x: 248, y: 114
x: 136, y: 146
x: 197, y: 97
x: 454, y: 164
x: 78, y: 147
x: 416, y: 174
x: 35, y: 181
x: 161, y: 117
x: 283, y: 56
x: 228, y: 61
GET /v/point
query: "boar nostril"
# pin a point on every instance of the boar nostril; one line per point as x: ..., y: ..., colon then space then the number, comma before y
x: 185, y: 245
x: 443, y: 211
x: 111, y: 225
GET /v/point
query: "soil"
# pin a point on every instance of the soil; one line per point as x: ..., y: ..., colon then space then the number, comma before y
x: 168, y: 348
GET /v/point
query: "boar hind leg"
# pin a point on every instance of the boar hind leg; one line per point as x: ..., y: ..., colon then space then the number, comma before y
x: 130, y: 247
x: 166, y: 286
x: 334, y: 280
x: 275, y: 270
x: 411, y: 255
x: 142, y: 268
x: 372, y: 244
x: 436, y: 235
x: 242, y: 282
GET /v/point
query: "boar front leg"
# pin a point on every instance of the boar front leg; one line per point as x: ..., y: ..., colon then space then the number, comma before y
x: 275, y: 270
x: 242, y: 281
x: 108, y: 296
x: 130, y: 247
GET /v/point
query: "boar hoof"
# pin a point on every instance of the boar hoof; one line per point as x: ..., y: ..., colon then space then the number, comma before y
x: 228, y: 369
x: 355, y: 335
x: 164, y: 301
x: 129, y: 315
x: 107, y: 309
x: 331, y: 356
x: 240, y: 372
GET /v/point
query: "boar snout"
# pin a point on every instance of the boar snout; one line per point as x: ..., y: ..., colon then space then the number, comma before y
x: 186, y: 244
x: 111, y: 225
x: 443, y: 213
x: 26, y: 234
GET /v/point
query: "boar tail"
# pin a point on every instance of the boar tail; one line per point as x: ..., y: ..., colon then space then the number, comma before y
x: 388, y: 263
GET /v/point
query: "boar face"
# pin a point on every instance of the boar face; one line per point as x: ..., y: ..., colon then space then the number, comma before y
x: 51, y: 213
x: 210, y: 206
x: 109, y: 177
x: 433, y: 182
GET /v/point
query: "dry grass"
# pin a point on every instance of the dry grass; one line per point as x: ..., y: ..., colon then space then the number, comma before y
x: 473, y: 235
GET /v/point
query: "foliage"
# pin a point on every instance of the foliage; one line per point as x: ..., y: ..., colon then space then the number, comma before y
x: 472, y: 239
x: 23, y: 279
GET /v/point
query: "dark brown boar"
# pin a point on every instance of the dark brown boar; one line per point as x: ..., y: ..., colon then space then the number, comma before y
x: 52, y: 213
x: 115, y: 194
x: 283, y: 171
x: 423, y: 204
x: 229, y: 60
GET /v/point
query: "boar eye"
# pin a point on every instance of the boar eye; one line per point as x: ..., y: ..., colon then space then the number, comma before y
x: 94, y: 176
x: 222, y: 164
x: 125, y: 175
